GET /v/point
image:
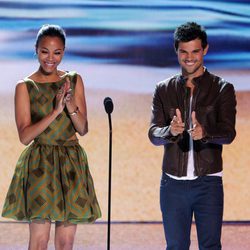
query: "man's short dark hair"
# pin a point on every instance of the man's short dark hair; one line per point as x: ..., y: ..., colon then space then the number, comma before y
x: 190, y: 31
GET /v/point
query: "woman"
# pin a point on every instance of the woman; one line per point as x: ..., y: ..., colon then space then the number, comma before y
x: 52, y: 181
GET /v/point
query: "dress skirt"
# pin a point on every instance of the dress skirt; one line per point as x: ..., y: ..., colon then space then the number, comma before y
x: 52, y: 182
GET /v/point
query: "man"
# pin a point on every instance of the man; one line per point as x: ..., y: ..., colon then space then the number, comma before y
x: 193, y: 115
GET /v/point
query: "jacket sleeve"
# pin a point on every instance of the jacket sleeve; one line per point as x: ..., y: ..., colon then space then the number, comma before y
x: 159, y: 131
x: 224, y: 130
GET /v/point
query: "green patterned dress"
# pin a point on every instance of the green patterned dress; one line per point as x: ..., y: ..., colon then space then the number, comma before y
x: 52, y: 180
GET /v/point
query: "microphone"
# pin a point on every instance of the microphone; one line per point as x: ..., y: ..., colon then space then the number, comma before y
x: 108, y: 104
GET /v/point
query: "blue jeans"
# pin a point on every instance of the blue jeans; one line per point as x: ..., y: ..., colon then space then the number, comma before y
x: 180, y: 200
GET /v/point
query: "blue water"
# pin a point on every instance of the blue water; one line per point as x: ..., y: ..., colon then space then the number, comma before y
x: 138, y: 32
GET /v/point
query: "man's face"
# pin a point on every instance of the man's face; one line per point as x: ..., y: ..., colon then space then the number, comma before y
x: 190, y: 56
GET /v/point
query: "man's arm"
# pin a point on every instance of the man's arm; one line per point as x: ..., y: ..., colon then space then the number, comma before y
x: 162, y: 131
x: 224, y: 130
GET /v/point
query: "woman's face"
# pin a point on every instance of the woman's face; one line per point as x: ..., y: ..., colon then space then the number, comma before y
x: 50, y: 51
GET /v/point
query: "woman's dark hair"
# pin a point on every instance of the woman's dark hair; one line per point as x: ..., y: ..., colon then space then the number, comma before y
x: 50, y: 30
x: 190, y: 31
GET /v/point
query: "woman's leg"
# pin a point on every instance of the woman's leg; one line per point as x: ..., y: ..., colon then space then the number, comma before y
x: 64, y: 235
x: 39, y: 235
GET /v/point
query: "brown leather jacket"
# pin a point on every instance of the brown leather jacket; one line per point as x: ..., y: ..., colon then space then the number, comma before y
x: 214, y: 102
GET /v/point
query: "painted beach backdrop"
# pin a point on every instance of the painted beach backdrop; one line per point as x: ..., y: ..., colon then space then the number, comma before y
x: 122, y: 49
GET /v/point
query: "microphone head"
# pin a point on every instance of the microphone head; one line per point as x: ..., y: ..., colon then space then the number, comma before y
x: 108, y: 104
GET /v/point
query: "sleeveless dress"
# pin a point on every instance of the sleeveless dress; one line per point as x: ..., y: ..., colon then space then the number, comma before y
x: 52, y: 180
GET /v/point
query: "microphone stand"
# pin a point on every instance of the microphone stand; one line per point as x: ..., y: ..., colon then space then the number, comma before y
x: 109, y: 183
x: 108, y: 104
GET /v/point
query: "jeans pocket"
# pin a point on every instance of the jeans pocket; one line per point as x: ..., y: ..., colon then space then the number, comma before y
x: 164, y: 180
x: 213, y: 181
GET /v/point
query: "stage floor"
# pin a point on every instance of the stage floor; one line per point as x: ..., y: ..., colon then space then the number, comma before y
x: 124, y: 236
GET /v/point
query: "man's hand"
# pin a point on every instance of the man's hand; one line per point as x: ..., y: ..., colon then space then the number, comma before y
x: 177, y: 126
x: 197, y: 131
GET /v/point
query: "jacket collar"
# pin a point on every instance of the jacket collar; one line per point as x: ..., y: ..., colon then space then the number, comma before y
x: 197, y: 81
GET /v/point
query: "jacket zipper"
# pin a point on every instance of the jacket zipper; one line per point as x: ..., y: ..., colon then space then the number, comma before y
x: 196, y: 158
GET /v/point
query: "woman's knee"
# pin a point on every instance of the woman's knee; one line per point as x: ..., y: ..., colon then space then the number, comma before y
x: 65, y: 242
x: 39, y: 242
x: 65, y: 234
x: 39, y: 235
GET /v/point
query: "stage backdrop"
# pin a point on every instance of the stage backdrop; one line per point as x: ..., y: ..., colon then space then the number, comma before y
x: 122, y: 49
